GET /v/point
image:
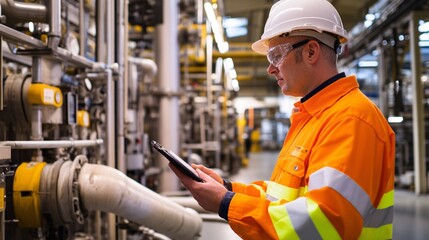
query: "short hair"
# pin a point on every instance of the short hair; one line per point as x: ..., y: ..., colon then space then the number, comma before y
x: 328, y: 53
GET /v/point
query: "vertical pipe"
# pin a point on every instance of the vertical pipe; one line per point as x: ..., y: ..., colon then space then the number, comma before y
x: 217, y: 128
x: 418, y: 108
x: 36, y: 110
x: 82, y: 30
x: 101, y: 31
x: 3, y: 204
x: 110, y: 138
x: 110, y: 103
x: 168, y: 61
x: 126, y: 63
x: 2, y: 178
x: 209, y: 80
x: 120, y: 92
x: 54, y: 18
x: 1, y: 71
x: 209, y: 71
x: 382, y: 86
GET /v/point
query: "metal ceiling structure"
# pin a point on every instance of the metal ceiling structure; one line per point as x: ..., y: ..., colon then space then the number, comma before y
x: 251, y: 67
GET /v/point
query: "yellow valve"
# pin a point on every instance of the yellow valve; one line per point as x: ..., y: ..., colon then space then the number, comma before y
x: 26, y: 196
x: 83, y: 118
x: 43, y: 94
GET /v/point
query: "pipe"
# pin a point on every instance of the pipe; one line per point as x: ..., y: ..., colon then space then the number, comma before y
x: 76, y: 60
x: 147, y: 65
x: 169, y: 79
x: 52, y: 144
x: 120, y: 90
x: 16, y: 37
x: 107, y: 189
x: 121, y: 55
x: 188, y: 202
x: 82, y: 29
x: 11, y: 35
x: 149, y: 68
x: 1, y: 73
x: 54, y: 16
x: 36, y: 110
x: 20, y: 11
x: 418, y: 108
x: 110, y: 99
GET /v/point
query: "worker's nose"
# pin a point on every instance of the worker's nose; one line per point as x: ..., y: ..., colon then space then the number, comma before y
x: 272, y: 70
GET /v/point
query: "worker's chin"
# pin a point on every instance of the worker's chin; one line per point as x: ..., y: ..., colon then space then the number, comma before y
x: 286, y: 91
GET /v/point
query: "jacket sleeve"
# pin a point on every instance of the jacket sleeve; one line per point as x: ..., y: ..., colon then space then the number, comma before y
x: 255, y: 189
x: 345, y: 174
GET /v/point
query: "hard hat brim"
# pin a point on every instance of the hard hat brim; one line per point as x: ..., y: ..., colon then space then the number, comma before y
x: 260, y: 46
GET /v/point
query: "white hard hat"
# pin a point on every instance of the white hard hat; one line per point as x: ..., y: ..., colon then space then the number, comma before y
x: 295, y: 16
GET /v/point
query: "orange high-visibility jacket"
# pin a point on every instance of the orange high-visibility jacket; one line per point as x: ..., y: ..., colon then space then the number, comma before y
x: 334, y: 177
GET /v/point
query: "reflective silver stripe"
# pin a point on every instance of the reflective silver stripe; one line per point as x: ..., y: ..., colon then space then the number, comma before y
x: 350, y: 190
x: 301, y: 221
x: 271, y: 198
x: 379, y: 217
x: 343, y: 184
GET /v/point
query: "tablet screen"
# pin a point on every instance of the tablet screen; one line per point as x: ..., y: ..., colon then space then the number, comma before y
x: 177, y: 161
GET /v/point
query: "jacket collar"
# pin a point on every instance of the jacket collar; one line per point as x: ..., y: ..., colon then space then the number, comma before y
x: 327, y: 95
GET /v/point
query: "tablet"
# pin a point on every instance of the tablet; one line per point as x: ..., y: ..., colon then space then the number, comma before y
x: 177, y: 161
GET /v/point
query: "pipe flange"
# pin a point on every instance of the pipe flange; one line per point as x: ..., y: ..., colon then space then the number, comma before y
x: 49, y: 187
x: 78, y: 212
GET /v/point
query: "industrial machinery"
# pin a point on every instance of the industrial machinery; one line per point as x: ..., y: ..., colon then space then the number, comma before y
x: 83, y: 91
x: 389, y: 54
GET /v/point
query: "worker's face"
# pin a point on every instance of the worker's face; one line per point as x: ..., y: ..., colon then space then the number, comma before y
x: 286, y: 64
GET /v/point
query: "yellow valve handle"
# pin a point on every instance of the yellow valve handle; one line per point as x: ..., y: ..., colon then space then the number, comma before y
x: 83, y: 118
x: 43, y: 94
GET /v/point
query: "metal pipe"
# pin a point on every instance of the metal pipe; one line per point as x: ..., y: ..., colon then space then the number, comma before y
x: 1, y: 73
x: 52, y: 144
x: 121, y: 54
x: 20, y: 11
x: 150, y: 70
x: 107, y: 189
x: 169, y: 79
x: 82, y: 30
x: 36, y: 110
x: 36, y: 123
x: 11, y: 35
x: 120, y: 90
x: 76, y: 60
x: 110, y: 102
x: 147, y: 65
x: 16, y: 37
x: 54, y: 16
x: 419, y: 142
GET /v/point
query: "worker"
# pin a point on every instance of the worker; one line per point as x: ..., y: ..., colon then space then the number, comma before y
x: 334, y: 177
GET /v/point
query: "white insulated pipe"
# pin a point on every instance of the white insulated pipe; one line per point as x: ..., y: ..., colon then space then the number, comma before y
x: 107, y: 189
x: 150, y: 70
x: 167, y: 50
x: 148, y: 66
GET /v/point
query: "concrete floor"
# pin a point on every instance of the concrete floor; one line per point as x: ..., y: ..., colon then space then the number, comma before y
x: 411, y: 215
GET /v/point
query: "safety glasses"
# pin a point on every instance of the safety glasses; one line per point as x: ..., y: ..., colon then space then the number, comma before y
x: 275, y: 55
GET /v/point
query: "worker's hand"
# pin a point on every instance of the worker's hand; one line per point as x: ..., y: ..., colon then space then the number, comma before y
x: 208, y: 194
x: 209, y: 172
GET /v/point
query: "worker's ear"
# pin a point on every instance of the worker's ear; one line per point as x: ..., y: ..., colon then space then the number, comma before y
x: 313, y: 52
